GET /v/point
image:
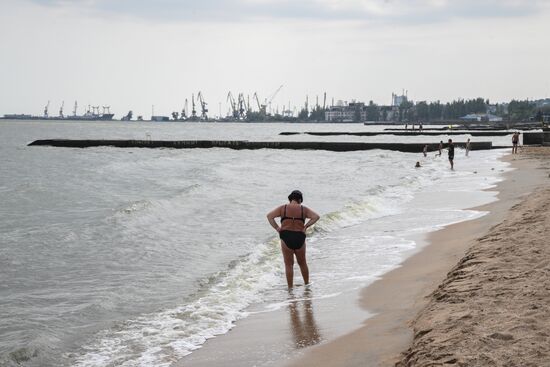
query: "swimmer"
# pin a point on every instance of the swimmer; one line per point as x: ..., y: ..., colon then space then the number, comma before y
x: 292, y: 233
x: 417, y: 165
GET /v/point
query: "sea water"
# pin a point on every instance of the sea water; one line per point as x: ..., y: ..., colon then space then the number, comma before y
x: 135, y: 257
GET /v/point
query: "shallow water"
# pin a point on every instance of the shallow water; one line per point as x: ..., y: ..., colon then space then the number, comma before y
x: 135, y: 256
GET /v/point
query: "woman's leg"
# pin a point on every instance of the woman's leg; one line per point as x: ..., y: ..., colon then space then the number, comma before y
x: 288, y: 256
x: 301, y: 258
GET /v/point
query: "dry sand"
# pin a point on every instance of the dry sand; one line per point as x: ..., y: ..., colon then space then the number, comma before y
x: 483, y: 313
x: 493, y: 309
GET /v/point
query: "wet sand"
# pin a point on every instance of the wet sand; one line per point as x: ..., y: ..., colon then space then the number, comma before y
x: 404, y: 299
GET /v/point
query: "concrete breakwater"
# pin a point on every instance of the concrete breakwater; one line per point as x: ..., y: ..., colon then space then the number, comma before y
x: 400, y: 133
x: 244, y: 144
x: 539, y: 138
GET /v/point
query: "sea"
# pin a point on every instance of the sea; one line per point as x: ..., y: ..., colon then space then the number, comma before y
x: 137, y: 257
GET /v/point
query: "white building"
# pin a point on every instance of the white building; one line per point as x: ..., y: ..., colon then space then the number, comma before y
x: 352, y: 112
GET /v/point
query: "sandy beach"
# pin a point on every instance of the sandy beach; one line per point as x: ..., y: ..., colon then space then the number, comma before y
x: 486, y: 311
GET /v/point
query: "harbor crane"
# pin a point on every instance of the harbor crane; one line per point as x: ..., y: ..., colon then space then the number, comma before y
x: 231, y: 100
x: 75, y: 108
x: 46, y: 109
x: 204, y: 110
x: 242, y: 106
x: 193, y: 110
x: 272, y: 97
x: 61, y: 109
x: 255, y: 96
x: 184, y: 111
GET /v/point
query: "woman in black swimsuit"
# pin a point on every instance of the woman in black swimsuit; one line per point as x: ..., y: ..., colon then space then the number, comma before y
x: 292, y: 232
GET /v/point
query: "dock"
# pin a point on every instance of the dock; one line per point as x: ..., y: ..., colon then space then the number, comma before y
x: 245, y: 144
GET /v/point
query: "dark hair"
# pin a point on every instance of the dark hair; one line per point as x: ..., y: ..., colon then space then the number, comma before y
x: 296, y: 195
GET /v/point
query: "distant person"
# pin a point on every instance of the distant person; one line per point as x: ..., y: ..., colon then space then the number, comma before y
x: 292, y: 232
x: 425, y: 150
x: 440, y: 147
x: 515, y: 141
x: 420, y: 127
x: 406, y: 125
x: 467, y: 147
x: 451, y: 149
x: 417, y: 165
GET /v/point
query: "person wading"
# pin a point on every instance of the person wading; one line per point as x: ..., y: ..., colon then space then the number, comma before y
x: 451, y: 148
x: 292, y: 232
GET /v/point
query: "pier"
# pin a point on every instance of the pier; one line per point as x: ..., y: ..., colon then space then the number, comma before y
x: 245, y: 144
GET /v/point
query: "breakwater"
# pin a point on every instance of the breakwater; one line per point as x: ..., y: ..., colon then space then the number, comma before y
x: 399, y: 133
x: 538, y: 138
x: 245, y: 144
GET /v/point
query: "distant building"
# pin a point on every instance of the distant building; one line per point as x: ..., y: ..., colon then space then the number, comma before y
x: 397, y: 100
x: 347, y: 112
x: 481, y: 117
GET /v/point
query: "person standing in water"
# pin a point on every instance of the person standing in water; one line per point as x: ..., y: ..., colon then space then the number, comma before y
x: 440, y: 147
x: 467, y: 147
x: 451, y: 153
x: 515, y: 141
x: 425, y: 150
x: 292, y: 233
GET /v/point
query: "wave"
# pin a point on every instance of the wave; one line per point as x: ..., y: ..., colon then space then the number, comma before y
x: 161, y: 338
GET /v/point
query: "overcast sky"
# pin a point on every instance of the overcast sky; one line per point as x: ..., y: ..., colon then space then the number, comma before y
x: 131, y: 54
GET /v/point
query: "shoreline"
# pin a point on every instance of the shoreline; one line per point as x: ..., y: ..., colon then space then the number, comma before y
x: 397, y: 298
x: 298, y: 328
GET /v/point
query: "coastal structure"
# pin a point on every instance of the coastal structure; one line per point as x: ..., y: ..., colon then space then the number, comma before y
x: 346, y: 112
x: 92, y: 114
x: 479, y: 117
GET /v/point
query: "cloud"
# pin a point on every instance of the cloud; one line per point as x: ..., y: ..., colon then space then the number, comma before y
x: 366, y: 11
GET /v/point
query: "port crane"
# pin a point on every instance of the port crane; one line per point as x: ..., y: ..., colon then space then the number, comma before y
x: 204, y: 110
x: 61, y: 109
x: 184, y: 111
x: 46, y: 109
x: 272, y: 97
x: 193, y: 110
x: 231, y: 100
x: 242, y: 106
x: 75, y: 108
x: 260, y: 107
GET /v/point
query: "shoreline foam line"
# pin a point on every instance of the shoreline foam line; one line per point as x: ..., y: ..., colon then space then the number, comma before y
x: 245, y: 144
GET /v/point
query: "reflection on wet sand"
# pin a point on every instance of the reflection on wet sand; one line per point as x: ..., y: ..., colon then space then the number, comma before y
x: 303, y: 327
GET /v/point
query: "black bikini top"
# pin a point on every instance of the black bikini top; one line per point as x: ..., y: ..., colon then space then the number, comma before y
x: 300, y: 218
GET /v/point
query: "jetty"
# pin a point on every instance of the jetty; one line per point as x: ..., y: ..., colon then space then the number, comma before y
x: 399, y: 133
x: 245, y: 144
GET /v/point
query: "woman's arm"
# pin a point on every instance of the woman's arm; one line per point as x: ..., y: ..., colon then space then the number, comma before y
x: 313, y: 218
x: 271, y: 218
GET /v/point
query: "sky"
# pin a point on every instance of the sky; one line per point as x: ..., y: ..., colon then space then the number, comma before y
x: 135, y: 54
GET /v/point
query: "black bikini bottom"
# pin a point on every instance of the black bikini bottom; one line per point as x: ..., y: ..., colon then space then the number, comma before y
x: 294, y: 240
